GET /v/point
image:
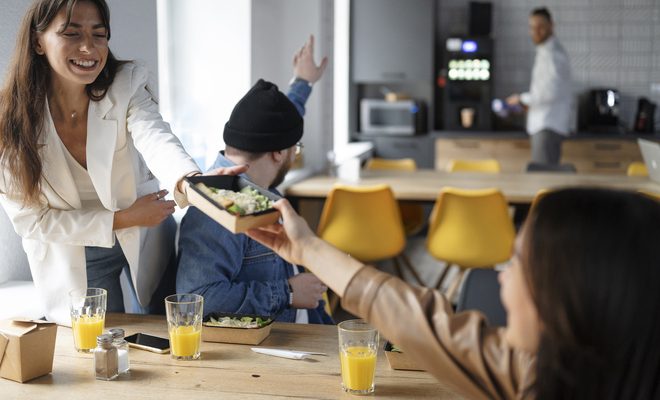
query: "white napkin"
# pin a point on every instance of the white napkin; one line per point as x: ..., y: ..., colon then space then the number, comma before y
x: 292, y: 354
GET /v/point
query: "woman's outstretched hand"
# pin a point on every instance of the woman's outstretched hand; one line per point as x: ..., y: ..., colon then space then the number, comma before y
x: 288, y: 239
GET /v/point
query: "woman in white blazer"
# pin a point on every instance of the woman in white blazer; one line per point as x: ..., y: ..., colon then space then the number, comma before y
x: 80, y: 134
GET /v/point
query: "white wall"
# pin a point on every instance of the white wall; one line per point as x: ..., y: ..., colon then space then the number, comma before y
x: 205, y: 52
x: 134, y: 34
x: 10, y: 18
x: 279, y: 29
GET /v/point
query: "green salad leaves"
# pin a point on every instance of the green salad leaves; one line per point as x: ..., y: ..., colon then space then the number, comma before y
x: 235, y: 322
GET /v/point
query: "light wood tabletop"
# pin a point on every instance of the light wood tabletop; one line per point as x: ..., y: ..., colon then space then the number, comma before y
x: 425, y: 185
x: 224, y: 370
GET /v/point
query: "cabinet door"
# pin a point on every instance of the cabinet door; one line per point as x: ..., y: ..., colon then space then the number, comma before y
x: 513, y: 154
x: 392, y: 40
x: 600, y: 156
x: 420, y: 148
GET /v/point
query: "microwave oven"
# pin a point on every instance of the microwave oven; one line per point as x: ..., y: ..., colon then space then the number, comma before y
x: 402, y: 117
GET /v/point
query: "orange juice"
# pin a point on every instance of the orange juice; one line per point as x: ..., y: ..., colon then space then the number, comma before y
x: 85, y: 330
x: 184, y: 341
x: 358, y: 365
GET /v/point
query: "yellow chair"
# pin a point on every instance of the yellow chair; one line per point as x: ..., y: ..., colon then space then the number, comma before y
x: 488, y: 165
x: 365, y: 222
x: 327, y: 307
x: 470, y: 229
x: 637, y: 169
x: 412, y: 214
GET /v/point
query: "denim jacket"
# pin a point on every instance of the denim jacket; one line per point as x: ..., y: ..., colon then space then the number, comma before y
x: 234, y: 273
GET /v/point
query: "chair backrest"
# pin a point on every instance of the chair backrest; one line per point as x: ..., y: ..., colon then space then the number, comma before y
x: 412, y: 215
x: 539, y: 167
x: 637, y: 168
x: 470, y: 228
x: 486, y: 165
x: 402, y: 164
x: 481, y: 292
x: 363, y: 221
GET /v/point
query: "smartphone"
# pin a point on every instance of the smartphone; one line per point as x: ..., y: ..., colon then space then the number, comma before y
x: 147, y: 342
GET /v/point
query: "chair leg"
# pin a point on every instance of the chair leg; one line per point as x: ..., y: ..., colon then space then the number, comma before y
x: 451, y: 292
x: 443, y: 275
x: 397, y: 268
x: 408, y: 265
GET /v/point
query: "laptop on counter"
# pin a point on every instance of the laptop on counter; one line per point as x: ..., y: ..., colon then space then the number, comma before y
x: 651, y: 154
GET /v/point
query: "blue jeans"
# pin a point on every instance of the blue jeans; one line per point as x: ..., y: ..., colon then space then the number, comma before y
x: 104, y: 267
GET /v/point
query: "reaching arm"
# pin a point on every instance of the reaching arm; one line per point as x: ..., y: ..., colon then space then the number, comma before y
x: 458, y: 349
x: 305, y: 74
x: 73, y: 227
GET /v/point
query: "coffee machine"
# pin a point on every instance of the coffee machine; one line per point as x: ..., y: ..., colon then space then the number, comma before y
x: 599, y: 111
x: 468, y: 83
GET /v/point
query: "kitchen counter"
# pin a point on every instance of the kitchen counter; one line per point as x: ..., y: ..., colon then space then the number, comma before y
x: 521, y: 135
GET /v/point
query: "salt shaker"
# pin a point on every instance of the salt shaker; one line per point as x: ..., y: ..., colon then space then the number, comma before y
x: 122, y: 348
x: 105, y: 358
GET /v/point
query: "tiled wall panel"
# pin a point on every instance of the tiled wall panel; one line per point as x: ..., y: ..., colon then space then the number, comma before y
x: 611, y: 43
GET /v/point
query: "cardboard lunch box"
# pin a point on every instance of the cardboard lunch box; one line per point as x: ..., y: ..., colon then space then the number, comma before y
x: 233, y: 223
x: 26, y: 349
x: 400, y: 360
x: 234, y: 334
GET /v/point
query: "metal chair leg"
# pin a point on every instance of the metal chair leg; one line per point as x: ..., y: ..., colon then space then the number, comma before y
x: 397, y: 268
x: 443, y: 275
x: 408, y: 265
x: 453, y: 289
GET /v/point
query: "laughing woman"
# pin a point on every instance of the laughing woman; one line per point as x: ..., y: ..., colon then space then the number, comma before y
x: 80, y: 135
x: 582, y: 300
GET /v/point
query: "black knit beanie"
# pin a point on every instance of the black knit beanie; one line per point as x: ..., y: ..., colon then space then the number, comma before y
x: 263, y: 120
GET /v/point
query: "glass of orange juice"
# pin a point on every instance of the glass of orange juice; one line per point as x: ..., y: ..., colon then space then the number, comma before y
x: 87, y: 308
x: 184, y: 323
x: 358, y: 345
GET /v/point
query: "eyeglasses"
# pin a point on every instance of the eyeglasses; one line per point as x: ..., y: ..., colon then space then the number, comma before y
x: 299, y: 147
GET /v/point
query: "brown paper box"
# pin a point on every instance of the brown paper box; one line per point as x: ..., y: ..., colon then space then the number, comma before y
x: 233, y: 223
x: 400, y: 360
x: 235, y: 335
x: 26, y: 349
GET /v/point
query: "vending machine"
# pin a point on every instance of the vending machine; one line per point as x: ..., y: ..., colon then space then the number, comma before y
x: 468, y: 83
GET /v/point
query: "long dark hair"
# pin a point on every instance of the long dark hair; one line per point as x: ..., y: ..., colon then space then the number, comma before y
x: 23, y: 97
x: 592, y: 261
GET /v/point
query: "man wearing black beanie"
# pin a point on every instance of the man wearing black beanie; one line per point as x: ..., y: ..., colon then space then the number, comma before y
x: 234, y: 273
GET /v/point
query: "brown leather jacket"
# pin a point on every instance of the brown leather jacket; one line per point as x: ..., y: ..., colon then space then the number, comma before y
x: 460, y: 350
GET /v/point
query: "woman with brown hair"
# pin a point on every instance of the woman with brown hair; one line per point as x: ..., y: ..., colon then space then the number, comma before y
x: 581, y: 293
x: 80, y: 135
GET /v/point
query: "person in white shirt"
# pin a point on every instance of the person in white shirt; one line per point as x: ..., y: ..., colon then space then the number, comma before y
x: 549, y: 102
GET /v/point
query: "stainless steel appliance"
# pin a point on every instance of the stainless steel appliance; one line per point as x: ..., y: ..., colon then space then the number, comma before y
x: 402, y: 117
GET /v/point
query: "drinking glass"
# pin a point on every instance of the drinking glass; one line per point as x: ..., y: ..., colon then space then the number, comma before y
x: 358, y: 345
x: 87, y: 308
x: 184, y: 324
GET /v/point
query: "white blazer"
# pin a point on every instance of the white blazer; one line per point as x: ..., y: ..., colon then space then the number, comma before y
x: 126, y: 140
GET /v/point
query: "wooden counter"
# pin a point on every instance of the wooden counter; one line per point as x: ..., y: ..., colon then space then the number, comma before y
x: 425, y: 185
x: 597, y: 154
x: 224, y: 370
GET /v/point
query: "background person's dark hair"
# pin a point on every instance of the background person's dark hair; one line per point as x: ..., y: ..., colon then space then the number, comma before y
x: 23, y: 96
x: 592, y: 261
x: 541, y: 12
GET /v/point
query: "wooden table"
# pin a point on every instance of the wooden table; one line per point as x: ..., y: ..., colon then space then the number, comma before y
x: 224, y: 370
x: 425, y: 185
